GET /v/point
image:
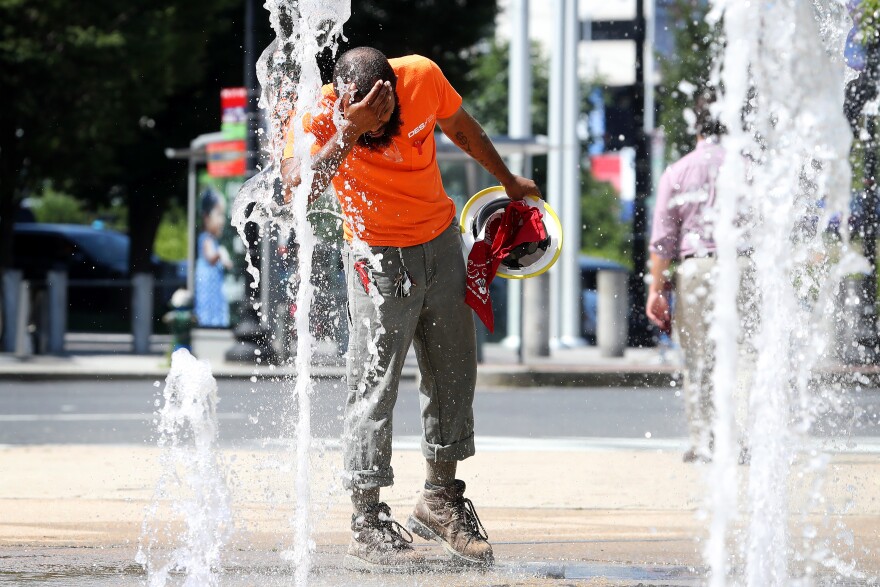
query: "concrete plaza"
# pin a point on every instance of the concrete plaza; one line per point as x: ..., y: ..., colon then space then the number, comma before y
x: 559, y: 512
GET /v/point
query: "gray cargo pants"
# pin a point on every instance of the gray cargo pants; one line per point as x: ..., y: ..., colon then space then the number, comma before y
x: 436, y: 318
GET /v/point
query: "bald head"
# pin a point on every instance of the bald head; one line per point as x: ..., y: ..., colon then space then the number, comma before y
x: 362, y: 66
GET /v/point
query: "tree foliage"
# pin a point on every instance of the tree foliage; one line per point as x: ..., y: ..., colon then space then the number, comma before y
x: 687, y: 68
x: 90, y: 93
x: 489, y: 77
x: 95, y: 92
x: 604, y: 235
x: 447, y: 32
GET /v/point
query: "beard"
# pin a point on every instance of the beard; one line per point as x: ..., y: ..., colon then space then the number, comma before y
x: 392, y: 129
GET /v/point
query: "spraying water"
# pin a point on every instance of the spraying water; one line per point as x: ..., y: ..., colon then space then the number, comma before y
x: 194, y: 478
x: 291, y: 82
x: 787, y: 171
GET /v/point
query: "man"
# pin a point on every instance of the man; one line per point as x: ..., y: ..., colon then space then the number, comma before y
x: 406, y: 284
x: 682, y: 231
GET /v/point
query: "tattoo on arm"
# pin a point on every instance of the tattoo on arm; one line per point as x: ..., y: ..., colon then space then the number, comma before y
x: 463, y: 142
x: 479, y: 155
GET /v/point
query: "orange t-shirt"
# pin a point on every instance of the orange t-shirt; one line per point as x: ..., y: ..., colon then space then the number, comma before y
x: 395, y: 197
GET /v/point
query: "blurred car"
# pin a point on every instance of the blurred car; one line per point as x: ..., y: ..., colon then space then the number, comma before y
x: 96, y: 261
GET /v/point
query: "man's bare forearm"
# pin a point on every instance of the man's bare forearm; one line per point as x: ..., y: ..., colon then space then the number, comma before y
x: 470, y: 137
x: 328, y: 159
x: 325, y: 164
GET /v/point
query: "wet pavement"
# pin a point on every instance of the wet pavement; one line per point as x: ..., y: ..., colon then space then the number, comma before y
x: 115, y: 567
x: 578, y: 486
x: 622, y: 516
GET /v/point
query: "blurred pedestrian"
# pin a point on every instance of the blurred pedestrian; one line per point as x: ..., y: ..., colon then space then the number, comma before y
x: 682, y: 235
x: 406, y: 285
x: 212, y: 262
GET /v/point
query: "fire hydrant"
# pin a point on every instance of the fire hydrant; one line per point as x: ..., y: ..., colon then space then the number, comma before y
x: 180, y: 320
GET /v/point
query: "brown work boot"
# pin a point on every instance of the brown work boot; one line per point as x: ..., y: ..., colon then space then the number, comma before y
x: 447, y: 516
x: 377, y: 544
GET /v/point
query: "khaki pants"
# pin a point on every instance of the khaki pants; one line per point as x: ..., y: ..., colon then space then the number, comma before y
x: 693, y: 313
x: 437, y: 320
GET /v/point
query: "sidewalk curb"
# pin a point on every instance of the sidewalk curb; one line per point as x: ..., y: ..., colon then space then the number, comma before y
x: 494, y: 377
x: 536, y: 377
x: 609, y: 374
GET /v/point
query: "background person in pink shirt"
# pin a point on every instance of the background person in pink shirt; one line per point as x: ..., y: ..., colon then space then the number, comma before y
x: 681, y: 233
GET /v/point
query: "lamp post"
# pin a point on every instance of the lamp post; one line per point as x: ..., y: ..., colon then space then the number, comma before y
x: 251, y: 336
x: 643, y: 182
x: 865, y: 56
x: 635, y: 30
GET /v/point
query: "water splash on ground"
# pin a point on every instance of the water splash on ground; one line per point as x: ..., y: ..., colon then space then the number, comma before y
x: 787, y: 172
x: 191, y: 512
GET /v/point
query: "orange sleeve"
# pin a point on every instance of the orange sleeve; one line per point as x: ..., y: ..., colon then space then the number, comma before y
x: 450, y: 100
x: 288, y: 140
x: 321, y: 126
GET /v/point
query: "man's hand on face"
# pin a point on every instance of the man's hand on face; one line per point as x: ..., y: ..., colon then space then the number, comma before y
x: 370, y: 115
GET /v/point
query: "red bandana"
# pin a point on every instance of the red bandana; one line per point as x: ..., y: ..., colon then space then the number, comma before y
x: 520, y: 223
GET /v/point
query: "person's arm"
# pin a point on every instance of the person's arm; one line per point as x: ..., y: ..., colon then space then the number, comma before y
x: 225, y: 259
x: 357, y: 118
x: 657, y: 307
x: 665, y: 231
x: 469, y: 136
x: 210, y: 252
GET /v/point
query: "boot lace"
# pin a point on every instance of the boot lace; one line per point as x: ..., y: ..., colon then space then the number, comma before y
x: 463, y: 509
x: 392, y: 532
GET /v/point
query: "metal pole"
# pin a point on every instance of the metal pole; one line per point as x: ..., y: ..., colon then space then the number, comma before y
x: 869, y: 224
x: 570, y: 315
x: 56, y: 288
x: 251, y: 334
x: 643, y: 186
x: 12, y: 301
x: 250, y: 85
x: 141, y: 312
x: 869, y: 236
x: 519, y: 125
x: 554, y: 156
x: 191, y: 221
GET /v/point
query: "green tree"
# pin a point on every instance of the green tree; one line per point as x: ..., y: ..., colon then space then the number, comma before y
x: 92, y: 96
x: 604, y: 235
x: 488, y: 79
x: 171, y: 236
x: 55, y: 206
x: 96, y: 93
x: 687, y: 68
x: 447, y: 32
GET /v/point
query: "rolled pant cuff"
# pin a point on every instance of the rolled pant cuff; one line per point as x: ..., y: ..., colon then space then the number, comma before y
x: 457, y: 451
x: 368, y: 479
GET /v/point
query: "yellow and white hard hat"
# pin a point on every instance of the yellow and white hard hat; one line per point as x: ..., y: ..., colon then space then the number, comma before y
x: 526, y: 260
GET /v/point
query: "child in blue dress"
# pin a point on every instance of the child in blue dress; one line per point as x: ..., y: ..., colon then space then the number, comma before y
x: 212, y: 262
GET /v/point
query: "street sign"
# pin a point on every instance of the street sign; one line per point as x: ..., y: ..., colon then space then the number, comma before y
x: 233, y: 102
x: 226, y: 158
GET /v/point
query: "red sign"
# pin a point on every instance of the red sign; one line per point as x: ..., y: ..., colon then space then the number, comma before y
x: 606, y: 167
x: 227, y: 158
x: 233, y: 97
x: 233, y: 102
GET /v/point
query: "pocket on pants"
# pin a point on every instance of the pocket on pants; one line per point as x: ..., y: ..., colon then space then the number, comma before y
x: 391, y: 266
